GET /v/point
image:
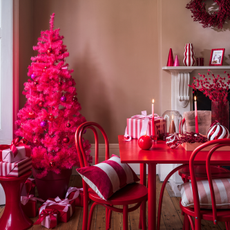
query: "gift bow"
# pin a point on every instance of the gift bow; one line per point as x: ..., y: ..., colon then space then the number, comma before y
x: 46, y: 213
x: 73, y: 189
x: 59, y: 202
x: 145, y: 118
x: 25, y: 199
x: 16, y: 142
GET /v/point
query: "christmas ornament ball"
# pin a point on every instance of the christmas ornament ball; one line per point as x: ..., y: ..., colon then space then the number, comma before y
x: 68, y: 125
x: 217, y: 131
x: 40, y: 103
x: 33, y: 76
x: 51, y: 117
x: 63, y: 98
x: 43, y: 124
x: 65, y: 139
x: 49, y: 51
x: 145, y: 142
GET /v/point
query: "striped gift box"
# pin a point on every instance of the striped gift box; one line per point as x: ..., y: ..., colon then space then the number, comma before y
x: 134, y: 127
x: 15, y: 169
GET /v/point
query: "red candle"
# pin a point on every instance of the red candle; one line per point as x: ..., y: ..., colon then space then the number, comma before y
x: 196, y: 116
x: 153, y: 122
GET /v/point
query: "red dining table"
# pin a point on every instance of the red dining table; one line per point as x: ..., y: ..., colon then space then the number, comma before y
x: 160, y: 153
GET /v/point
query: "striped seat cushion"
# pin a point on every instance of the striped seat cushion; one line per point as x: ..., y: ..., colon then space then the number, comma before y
x: 221, y: 189
x: 108, y: 176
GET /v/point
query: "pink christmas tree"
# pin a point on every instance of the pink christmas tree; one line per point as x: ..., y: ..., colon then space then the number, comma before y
x: 50, y: 117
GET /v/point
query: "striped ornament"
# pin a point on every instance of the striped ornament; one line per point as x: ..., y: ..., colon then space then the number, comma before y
x: 217, y: 131
x: 189, y: 59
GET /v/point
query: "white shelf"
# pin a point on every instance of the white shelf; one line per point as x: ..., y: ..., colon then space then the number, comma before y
x: 189, y: 69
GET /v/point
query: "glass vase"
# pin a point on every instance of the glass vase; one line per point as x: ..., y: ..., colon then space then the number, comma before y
x: 220, y: 112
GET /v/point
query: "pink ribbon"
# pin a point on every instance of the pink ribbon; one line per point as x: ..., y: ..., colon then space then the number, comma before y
x: 25, y: 199
x: 73, y: 189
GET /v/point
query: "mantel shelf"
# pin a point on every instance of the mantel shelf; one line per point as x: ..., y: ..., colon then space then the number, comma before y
x: 189, y: 69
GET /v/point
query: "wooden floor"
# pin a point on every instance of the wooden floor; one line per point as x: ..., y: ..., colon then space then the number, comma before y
x: 171, y: 217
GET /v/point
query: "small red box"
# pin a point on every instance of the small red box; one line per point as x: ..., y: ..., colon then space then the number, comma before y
x: 30, y: 208
x: 75, y: 192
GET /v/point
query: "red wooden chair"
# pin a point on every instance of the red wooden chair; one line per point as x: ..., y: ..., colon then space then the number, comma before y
x: 206, y: 199
x: 134, y: 194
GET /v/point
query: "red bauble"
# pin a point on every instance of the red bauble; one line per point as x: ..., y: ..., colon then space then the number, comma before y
x: 74, y: 98
x: 145, y: 142
x: 49, y: 51
x: 51, y: 117
x: 68, y: 125
x: 36, y: 141
x: 35, y: 82
x: 31, y: 114
x: 65, y: 139
x: 40, y: 103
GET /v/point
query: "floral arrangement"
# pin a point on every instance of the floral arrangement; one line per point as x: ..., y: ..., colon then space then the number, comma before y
x: 214, y: 19
x: 216, y: 88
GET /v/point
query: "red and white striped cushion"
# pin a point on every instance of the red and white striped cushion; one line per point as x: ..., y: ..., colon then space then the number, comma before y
x: 221, y: 189
x: 108, y: 176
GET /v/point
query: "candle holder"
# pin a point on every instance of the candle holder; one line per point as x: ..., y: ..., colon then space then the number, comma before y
x: 173, y: 121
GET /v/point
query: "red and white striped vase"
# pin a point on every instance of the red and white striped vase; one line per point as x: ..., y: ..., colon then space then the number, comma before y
x: 189, y: 59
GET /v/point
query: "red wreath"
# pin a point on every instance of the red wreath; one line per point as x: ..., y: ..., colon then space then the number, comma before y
x: 215, y: 19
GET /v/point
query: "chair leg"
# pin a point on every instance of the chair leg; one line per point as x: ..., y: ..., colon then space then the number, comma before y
x: 125, y: 217
x: 90, y: 215
x: 142, y: 181
x: 108, y: 218
x: 143, y: 215
x: 85, y: 216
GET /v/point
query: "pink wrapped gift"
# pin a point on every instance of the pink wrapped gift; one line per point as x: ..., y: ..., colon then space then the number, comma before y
x: 10, y: 156
x: 65, y: 207
x: 139, y: 125
x: 28, y: 187
x: 2, y: 147
x: 15, y: 169
x: 48, y: 218
x: 76, y: 194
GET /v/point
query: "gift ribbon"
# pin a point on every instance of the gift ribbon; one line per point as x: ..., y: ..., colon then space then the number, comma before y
x: 29, y: 184
x: 145, y: 118
x: 25, y: 199
x: 16, y: 142
x: 73, y: 189
x: 46, y: 213
x: 59, y: 202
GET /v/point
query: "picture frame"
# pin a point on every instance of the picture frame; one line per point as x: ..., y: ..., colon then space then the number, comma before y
x: 216, y: 57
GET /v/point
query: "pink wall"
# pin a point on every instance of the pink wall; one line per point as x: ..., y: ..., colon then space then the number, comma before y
x: 117, y: 49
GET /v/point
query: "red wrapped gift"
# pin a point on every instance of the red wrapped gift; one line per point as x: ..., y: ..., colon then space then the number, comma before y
x: 65, y: 207
x: 48, y: 218
x: 28, y: 187
x: 139, y: 125
x: 2, y: 147
x: 29, y: 205
x: 15, y: 169
x: 76, y: 194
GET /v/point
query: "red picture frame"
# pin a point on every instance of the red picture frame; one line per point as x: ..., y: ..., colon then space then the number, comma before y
x: 216, y: 57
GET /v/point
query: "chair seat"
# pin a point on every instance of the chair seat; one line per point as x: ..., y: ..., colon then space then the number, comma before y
x: 217, y: 172
x: 130, y: 194
x: 207, y: 214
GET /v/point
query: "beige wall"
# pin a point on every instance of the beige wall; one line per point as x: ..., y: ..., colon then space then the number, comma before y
x: 117, y: 49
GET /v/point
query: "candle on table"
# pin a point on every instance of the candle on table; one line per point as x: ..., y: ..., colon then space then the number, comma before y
x: 153, y: 122
x: 172, y: 128
x: 196, y: 116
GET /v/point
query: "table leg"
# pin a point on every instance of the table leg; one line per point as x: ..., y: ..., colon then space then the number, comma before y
x: 13, y: 216
x: 152, y: 196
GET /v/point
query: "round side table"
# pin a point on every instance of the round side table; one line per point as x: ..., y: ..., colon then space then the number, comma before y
x: 13, y: 217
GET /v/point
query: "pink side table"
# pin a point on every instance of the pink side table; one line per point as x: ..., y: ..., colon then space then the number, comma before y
x: 13, y: 217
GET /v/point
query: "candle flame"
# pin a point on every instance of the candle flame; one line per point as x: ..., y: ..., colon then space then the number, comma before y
x: 153, y: 101
x: 172, y: 117
x: 194, y: 98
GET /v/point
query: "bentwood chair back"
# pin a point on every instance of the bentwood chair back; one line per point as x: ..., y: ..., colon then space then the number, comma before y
x: 133, y: 194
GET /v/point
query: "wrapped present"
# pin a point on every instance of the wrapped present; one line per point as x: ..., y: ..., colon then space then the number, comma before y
x: 64, y: 206
x: 75, y: 194
x: 2, y: 147
x: 16, y: 152
x: 15, y: 169
x: 29, y: 205
x: 48, y: 218
x: 28, y: 187
x: 139, y: 125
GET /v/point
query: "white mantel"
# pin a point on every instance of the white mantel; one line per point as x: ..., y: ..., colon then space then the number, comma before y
x: 181, y: 100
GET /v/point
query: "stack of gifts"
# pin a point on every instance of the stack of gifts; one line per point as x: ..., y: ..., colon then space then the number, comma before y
x: 139, y: 125
x: 15, y: 159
